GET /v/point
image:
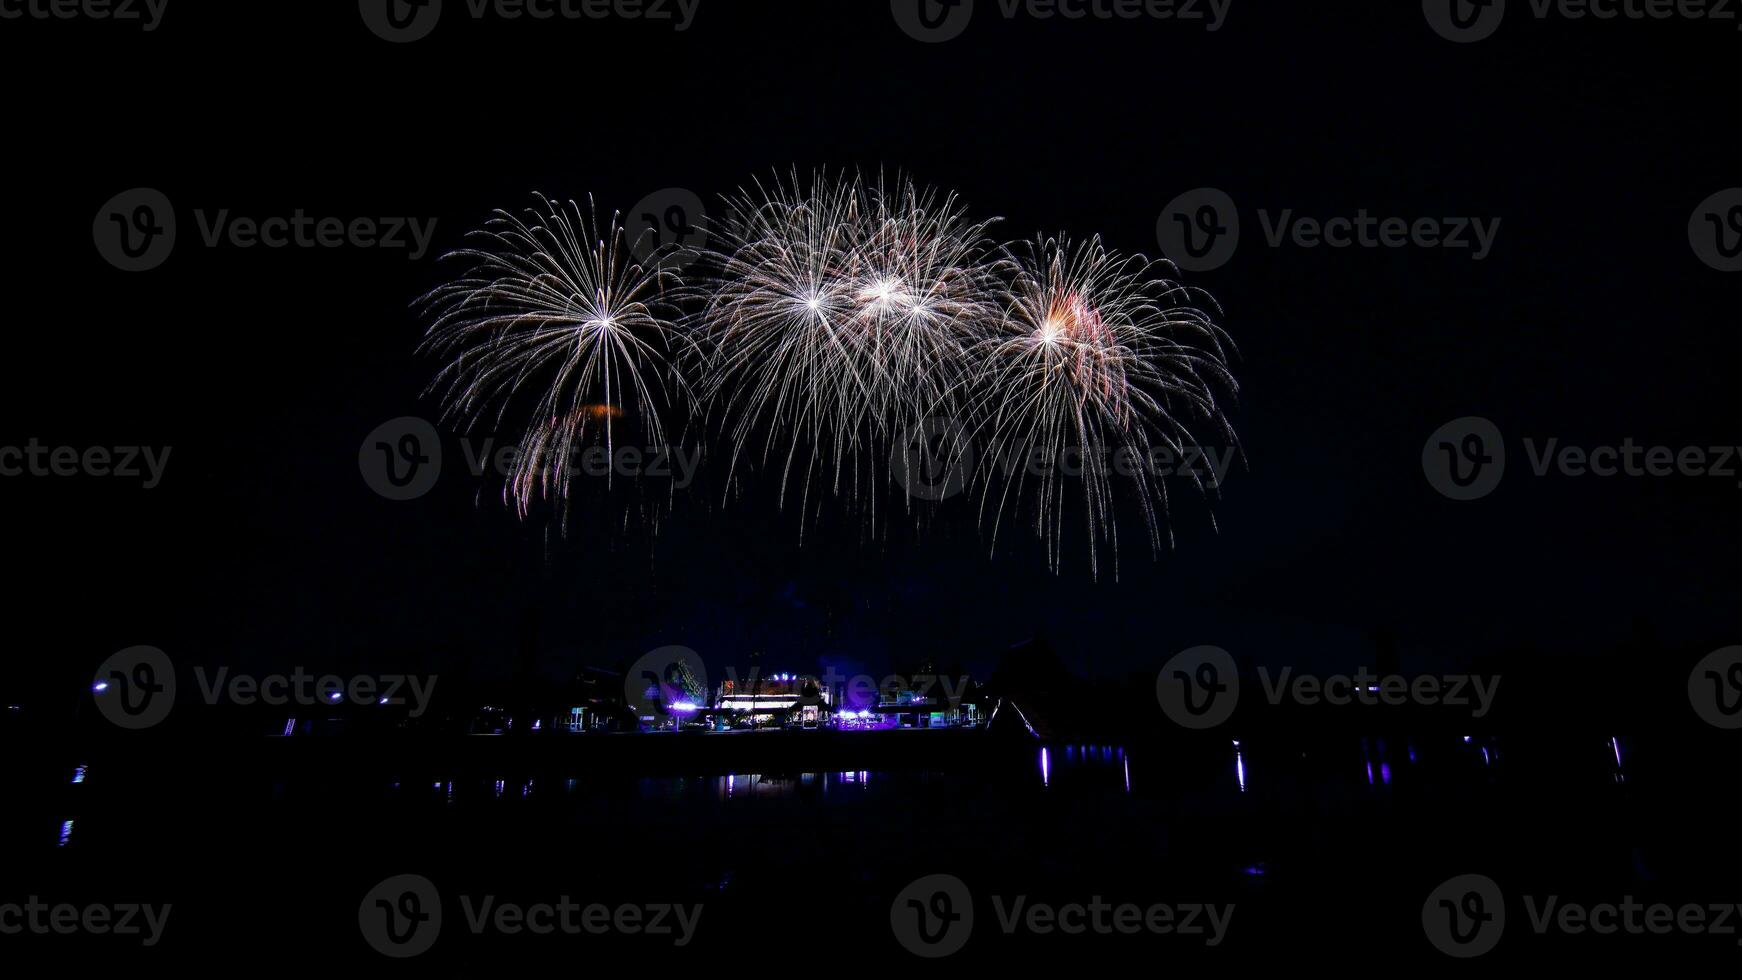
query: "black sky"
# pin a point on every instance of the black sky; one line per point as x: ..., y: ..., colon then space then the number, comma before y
x: 1591, y: 322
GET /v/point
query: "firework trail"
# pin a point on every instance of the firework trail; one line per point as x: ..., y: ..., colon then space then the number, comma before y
x: 835, y: 316
x: 840, y: 314
x: 555, y: 310
x: 1096, y: 357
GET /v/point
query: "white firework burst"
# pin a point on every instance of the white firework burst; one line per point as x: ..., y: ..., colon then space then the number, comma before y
x: 1097, y: 360
x: 840, y: 317
x: 555, y: 311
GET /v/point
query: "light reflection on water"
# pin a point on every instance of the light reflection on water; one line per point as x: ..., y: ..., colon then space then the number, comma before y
x: 1265, y: 770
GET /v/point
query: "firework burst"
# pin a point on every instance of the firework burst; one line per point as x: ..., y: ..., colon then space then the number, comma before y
x: 840, y: 316
x: 1097, y: 360
x: 555, y: 319
x: 835, y: 320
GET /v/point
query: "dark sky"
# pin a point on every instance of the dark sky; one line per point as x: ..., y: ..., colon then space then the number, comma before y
x: 1592, y: 321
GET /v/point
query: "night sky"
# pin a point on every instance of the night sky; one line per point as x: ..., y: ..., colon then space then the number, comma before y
x: 1592, y: 321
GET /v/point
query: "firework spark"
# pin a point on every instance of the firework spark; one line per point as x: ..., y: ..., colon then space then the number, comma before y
x: 837, y: 317
x: 840, y: 315
x: 1097, y: 360
x: 556, y: 310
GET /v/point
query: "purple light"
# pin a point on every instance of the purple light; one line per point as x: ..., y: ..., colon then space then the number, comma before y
x: 1616, y: 745
x: 334, y: 695
x: 685, y: 707
x: 100, y: 686
x: 1045, y: 768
